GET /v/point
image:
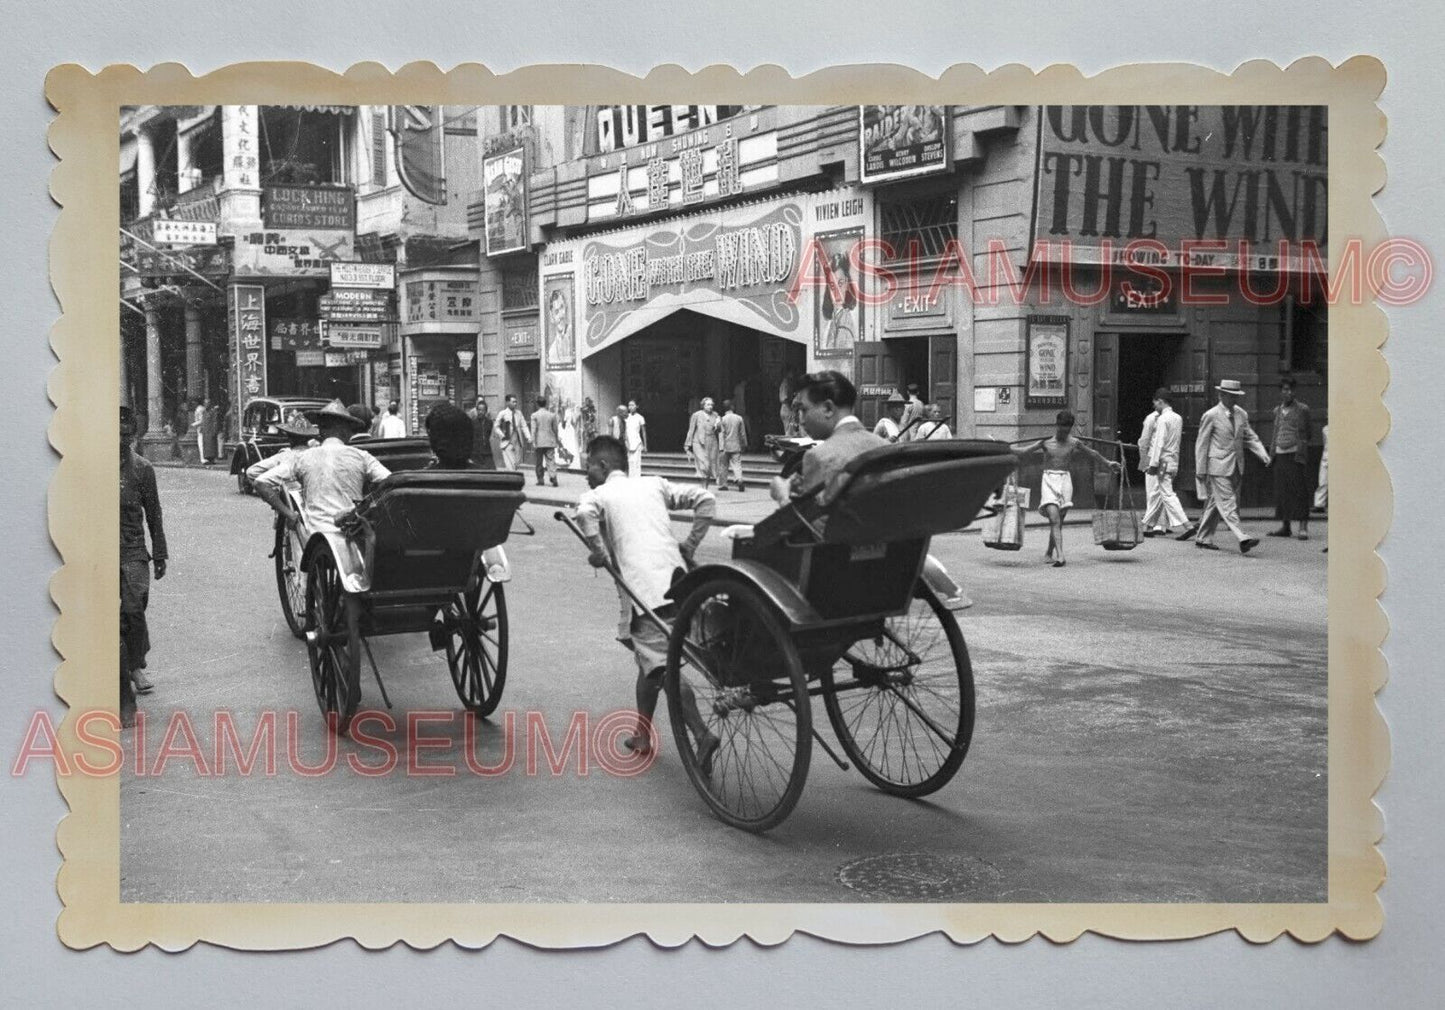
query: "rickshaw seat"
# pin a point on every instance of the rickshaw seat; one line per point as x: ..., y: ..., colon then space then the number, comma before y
x: 899, y: 492
x: 429, y: 524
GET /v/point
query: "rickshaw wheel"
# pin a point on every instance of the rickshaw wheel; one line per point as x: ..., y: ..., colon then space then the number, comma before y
x: 241, y: 482
x: 288, y: 581
x: 334, y: 616
x: 750, y: 692
x: 902, y: 703
x: 476, y: 622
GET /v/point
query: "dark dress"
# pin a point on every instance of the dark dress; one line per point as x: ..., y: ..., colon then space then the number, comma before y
x: 1293, y: 490
x: 482, y: 442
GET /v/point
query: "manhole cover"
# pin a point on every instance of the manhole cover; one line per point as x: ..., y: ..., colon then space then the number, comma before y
x: 918, y: 876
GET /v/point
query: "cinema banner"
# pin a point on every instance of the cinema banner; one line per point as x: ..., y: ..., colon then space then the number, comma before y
x: 1242, y: 179
x: 901, y: 141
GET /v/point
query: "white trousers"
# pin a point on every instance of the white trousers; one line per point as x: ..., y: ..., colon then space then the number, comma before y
x: 1164, y: 508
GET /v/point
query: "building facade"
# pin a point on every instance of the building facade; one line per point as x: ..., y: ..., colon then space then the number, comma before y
x: 270, y: 250
x: 664, y: 253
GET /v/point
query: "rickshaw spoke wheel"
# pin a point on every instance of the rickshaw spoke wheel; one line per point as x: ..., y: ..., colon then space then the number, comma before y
x: 902, y: 703
x: 734, y: 675
x: 335, y: 656
x: 476, y: 622
x: 290, y: 581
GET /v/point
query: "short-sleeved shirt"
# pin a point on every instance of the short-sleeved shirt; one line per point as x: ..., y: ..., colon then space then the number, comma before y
x: 332, y: 476
x: 632, y: 513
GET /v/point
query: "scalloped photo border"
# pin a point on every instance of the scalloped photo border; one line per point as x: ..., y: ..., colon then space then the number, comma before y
x: 84, y: 386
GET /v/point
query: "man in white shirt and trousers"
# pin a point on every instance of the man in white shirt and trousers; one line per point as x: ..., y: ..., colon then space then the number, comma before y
x: 1159, y: 459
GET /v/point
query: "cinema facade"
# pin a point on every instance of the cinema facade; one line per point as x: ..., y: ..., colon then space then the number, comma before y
x: 1010, y: 260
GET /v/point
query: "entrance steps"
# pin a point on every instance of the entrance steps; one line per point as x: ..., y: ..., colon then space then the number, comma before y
x: 758, y: 467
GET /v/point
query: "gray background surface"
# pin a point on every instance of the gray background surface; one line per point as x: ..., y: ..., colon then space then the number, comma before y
x: 1399, y: 968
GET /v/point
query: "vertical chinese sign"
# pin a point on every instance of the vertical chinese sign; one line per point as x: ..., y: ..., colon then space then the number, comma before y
x: 246, y: 309
x: 240, y: 147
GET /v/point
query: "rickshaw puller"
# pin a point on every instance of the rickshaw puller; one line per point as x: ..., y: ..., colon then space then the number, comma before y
x: 332, y: 475
x: 634, y: 513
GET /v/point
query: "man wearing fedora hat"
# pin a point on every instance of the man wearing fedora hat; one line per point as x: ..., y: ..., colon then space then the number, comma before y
x: 140, y: 510
x: 1224, y: 434
x: 332, y: 475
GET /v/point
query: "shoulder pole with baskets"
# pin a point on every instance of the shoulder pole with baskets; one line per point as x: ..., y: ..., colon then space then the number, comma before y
x: 1117, y: 529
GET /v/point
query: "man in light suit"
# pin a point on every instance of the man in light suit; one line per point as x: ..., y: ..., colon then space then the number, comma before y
x: 1224, y: 433
x: 732, y: 441
x: 544, y: 441
x: 825, y: 401
x: 1159, y: 459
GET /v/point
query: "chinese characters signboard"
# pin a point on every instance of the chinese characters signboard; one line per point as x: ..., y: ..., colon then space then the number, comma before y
x: 429, y: 300
x: 504, y: 179
x: 240, y: 147
x: 291, y: 253
x: 295, y: 334
x: 898, y: 141
x: 1047, y: 380
x: 168, y: 232
x: 1251, y: 175
x: 353, y: 337
x: 329, y: 207
x: 714, y: 162
x: 246, y: 307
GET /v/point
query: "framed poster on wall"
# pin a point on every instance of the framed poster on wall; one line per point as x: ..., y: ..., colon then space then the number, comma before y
x: 839, y: 316
x: 1046, y: 357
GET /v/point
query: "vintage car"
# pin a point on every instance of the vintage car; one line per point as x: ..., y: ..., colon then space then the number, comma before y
x: 261, y: 436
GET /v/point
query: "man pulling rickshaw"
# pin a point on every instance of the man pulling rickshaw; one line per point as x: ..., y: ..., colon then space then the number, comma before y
x: 332, y: 475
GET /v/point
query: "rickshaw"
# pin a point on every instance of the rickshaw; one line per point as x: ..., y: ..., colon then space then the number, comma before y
x: 421, y: 553
x: 839, y: 601
x: 396, y: 454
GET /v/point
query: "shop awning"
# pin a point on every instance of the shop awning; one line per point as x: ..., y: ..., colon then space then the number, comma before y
x: 334, y: 110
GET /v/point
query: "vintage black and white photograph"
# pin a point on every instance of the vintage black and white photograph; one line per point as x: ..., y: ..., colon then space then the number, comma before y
x: 783, y: 510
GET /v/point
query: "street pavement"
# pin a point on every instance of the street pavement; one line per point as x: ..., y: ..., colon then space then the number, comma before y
x: 1151, y: 728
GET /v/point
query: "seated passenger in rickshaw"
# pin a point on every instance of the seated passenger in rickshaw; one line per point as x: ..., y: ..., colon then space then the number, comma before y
x: 332, y: 475
x: 627, y: 518
x: 824, y: 402
x: 450, y: 432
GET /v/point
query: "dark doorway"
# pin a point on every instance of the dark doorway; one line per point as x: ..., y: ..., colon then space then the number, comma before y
x: 669, y: 366
x: 1146, y: 362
